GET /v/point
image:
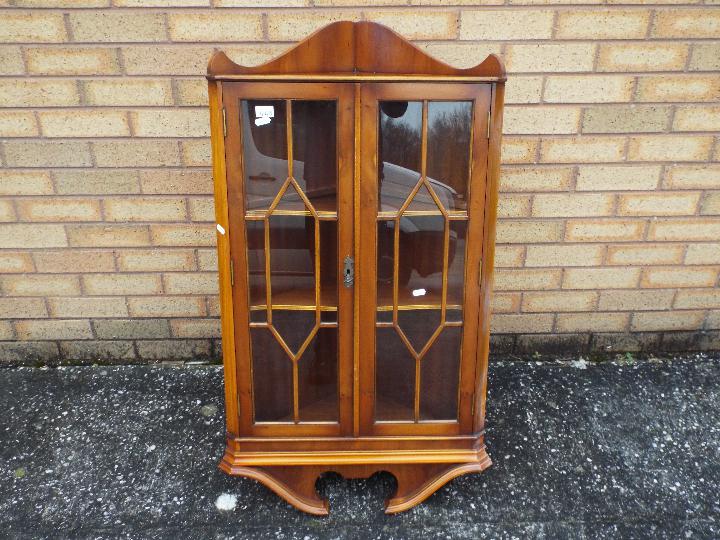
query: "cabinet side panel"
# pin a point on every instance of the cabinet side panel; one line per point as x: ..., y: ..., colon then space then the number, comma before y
x: 491, y: 200
x: 237, y: 240
x: 473, y: 304
x: 223, y: 246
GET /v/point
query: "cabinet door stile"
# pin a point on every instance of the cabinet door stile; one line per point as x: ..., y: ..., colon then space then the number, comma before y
x: 367, y: 257
x: 346, y: 247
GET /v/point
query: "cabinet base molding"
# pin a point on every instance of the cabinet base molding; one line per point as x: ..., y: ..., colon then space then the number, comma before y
x: 416, y: 481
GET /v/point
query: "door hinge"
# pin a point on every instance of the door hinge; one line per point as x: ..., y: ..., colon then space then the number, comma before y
x: 232, y: 274
x: 348, y: 271
x: 488, y: 123
x: 472, y: 407
x: 224, y: 114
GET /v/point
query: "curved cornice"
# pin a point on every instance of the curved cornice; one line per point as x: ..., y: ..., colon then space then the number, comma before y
x: 351, y: 48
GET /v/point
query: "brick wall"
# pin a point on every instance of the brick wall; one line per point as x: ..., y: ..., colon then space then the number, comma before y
x: 610, y: 207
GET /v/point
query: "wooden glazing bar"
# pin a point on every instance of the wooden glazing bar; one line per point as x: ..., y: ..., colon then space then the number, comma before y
x: 416, y: 404
x: 307, y: 342
x: 288, y: 134
x: 296, y: 395
x: 423, y: 179
x: 446, y: 262
x: 396, y: 267
x: 423, y: 140
x: 396, y: 246
x: 431, y: 341
x: 406, y: 341
x: 280, y: 340
x: 268, y: 274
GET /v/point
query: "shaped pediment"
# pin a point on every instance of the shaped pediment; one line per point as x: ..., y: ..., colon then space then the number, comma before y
x: 355, y: 48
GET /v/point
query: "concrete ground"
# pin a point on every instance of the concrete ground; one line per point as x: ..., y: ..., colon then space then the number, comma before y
x: 611, y: 450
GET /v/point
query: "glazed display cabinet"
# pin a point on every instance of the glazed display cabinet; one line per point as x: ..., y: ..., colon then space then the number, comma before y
x: 356, y: 192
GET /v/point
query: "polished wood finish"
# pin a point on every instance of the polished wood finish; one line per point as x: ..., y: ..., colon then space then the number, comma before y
x: 415, y: 481
x: 361, y: 49
x: 356, y: 66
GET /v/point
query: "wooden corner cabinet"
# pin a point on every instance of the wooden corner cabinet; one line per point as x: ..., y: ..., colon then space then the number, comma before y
x: 356, y: 191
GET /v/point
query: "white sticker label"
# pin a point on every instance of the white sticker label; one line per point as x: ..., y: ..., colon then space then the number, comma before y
x: 419, y: 292
x: 262, y: 121
x: 220, y: 228
x: 264, y: 111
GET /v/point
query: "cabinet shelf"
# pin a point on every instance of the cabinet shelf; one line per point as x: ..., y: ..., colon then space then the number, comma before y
x: 325, y: 206
x: 406, y: 301
x: 301, y: 300
x: 452, y: 215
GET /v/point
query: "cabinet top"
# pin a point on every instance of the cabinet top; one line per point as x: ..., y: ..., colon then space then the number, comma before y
x: 353, y: 51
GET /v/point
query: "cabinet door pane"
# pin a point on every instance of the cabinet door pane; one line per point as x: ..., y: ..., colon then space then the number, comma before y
x: 290, y: 160
x: 265, y: 150
x: 448, y: 155
x: 421, y: 244
x: 398, y: 151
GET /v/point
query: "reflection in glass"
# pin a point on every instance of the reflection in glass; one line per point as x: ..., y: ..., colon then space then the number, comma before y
x: 314, y: 152
x: 399, y: 147
x: 440, y: 377
x: 448, y: 151
x: 424, y: 202
x: 265, y: 152
x: 420, y: 270
x: 421, y: 260
x: 421, y: 236
x: 318, y: 379
x: 394, y: 378
x: 264, y: 136
x: 272, y: 378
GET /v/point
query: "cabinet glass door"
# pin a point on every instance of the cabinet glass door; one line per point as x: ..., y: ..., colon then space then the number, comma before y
x: 289, y: 198
x: 419, y: 320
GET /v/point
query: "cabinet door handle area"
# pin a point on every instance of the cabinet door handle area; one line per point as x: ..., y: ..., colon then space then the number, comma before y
x: 348, y: 271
